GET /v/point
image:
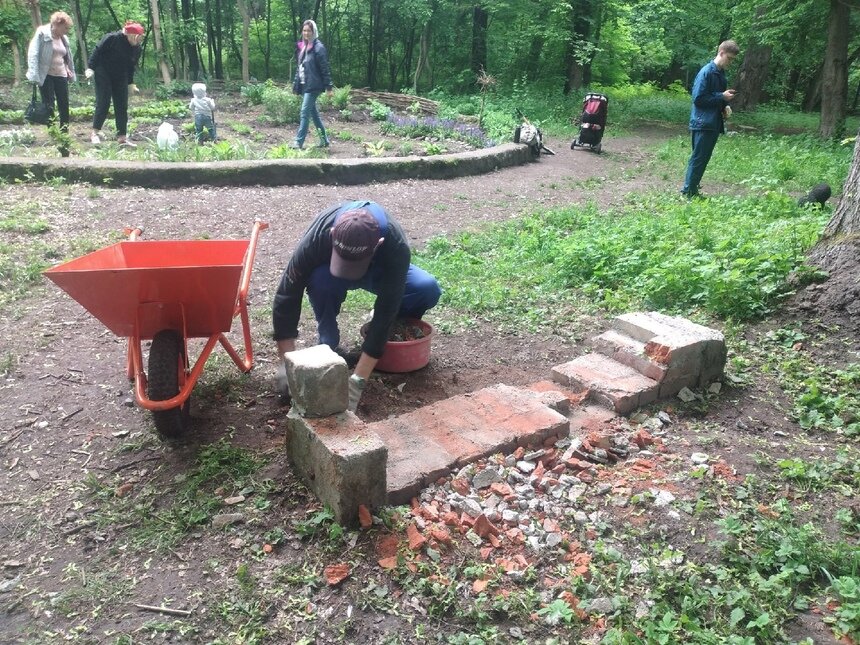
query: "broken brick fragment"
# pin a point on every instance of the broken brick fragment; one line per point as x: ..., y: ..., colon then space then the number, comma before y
x: 336, y: 573
x: 388, y: 563
x: 441, y: 535
x: 416, y: 540
x: 460, y: 485
x: 642, y: 438
x: 484, y: 527
x: 450, y: 518
x: 387, y: 546
x: 501, y: 489
x: 364, y: 517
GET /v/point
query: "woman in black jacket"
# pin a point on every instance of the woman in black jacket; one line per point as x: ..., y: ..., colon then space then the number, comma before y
x: 112, y: 64
x: 312, y: 77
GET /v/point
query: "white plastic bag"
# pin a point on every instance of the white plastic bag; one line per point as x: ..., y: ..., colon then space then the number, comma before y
x: 166, y: 137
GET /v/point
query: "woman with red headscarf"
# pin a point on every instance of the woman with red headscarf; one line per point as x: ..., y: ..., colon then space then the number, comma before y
x: 112, y: 64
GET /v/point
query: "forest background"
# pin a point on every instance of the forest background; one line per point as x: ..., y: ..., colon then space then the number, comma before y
x: 797, y: 54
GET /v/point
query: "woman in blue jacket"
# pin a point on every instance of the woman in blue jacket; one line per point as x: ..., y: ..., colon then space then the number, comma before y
x: 313, y: 76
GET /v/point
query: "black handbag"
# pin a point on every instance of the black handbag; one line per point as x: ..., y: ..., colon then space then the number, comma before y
x: 37, y: 112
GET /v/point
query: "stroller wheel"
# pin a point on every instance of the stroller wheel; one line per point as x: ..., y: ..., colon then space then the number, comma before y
x: 598, y: 148
x: 573, y: 144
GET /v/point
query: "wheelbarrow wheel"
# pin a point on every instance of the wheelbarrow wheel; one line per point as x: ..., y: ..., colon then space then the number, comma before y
x: 166, y: 378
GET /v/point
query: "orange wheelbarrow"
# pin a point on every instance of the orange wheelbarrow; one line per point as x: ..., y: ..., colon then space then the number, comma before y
x: 167, y: 292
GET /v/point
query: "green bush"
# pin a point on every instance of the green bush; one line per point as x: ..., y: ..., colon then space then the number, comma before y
x: 254, y: 93
x: 173, y: 89
x: 281, y: 105
x: 378, y: 111
x: 340, y: 97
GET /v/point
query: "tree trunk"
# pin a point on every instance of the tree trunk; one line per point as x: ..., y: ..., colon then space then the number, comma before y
x: 835, y: 73
x: 480, y: 20
x: 159, y: 47
x: 190, y: 40
x: 218, y: 44
x: 812, y: 97
x: 579, y: 50
x: 838, y: 252
x: 423, y: 63
x: 35, y: 13
x: 80, y: 35
x: 751, y: 77
x: 375, y: 41
x: 16, y: 62
x: 246, y: 30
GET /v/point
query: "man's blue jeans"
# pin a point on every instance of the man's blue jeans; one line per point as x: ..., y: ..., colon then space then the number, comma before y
x: 327, y: 294
x: 309, y: 111
x: 703, y: 142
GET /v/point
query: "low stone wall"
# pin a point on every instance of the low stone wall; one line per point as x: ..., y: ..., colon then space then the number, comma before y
x: 274, y: 172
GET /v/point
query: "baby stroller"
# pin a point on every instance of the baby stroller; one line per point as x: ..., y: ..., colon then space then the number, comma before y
x: 592, y: 122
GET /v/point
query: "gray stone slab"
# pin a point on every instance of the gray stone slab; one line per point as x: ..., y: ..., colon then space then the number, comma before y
x: 340, y: 460
x: 318, y: 380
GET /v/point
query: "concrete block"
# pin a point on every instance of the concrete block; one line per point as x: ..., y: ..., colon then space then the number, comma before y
x: 318, y: 380
x: 628, y: 351
x: 685, y: 348
x: 341, y: 460
x: 608, y: 381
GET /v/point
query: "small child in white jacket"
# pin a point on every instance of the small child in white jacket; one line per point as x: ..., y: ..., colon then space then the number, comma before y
x: 203, y: 110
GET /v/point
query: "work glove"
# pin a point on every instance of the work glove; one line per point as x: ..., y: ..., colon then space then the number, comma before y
x: 133, y: 88
x: 356, y: 387
x: 727, y: 112
x: 89, y: 73
x: 282, y: 386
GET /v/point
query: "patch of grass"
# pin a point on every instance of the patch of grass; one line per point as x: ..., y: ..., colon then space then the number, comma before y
x: 24, y: 219
x: 159, y: 521
x: 727, y: 257
x: 767, y: 162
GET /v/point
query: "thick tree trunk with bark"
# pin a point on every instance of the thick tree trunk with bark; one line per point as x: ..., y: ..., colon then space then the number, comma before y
x: 246, y: 37
x: 190, y: 41
x: 838, y: 252
x: 751, y: 77
x: 35, y: 13
x: 159, y: 47
x: 835, y: 73
x: 80, y: 35
x: 16, y: 62
x: 578, y: 53
x: 480, y: 22
x: 423, y: 63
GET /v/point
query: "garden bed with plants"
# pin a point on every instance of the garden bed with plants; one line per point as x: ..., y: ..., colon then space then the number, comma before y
x: 253, y: 122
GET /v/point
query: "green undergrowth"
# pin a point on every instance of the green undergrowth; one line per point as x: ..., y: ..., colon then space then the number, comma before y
x: 726, y: 257
x: 767, y: 162
x: 769, y: 564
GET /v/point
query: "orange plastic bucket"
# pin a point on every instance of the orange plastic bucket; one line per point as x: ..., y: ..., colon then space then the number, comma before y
x: 407, y: 355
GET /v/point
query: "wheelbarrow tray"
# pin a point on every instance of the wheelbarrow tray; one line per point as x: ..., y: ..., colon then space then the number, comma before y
x: 138, y: 288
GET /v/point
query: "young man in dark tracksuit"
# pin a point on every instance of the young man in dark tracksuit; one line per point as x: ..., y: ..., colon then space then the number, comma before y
x: 112, y: 64
x: 710, y: 108
x: 354, y: 245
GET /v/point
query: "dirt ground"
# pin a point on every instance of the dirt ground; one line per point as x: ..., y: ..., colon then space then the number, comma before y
x: 67, y: 418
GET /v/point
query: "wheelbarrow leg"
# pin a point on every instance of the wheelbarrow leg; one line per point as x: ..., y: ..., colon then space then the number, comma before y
x: 167, y: 370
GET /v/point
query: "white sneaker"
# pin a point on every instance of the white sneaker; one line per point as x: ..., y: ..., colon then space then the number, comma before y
x: 126, y: 142
x: 94, y: 139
